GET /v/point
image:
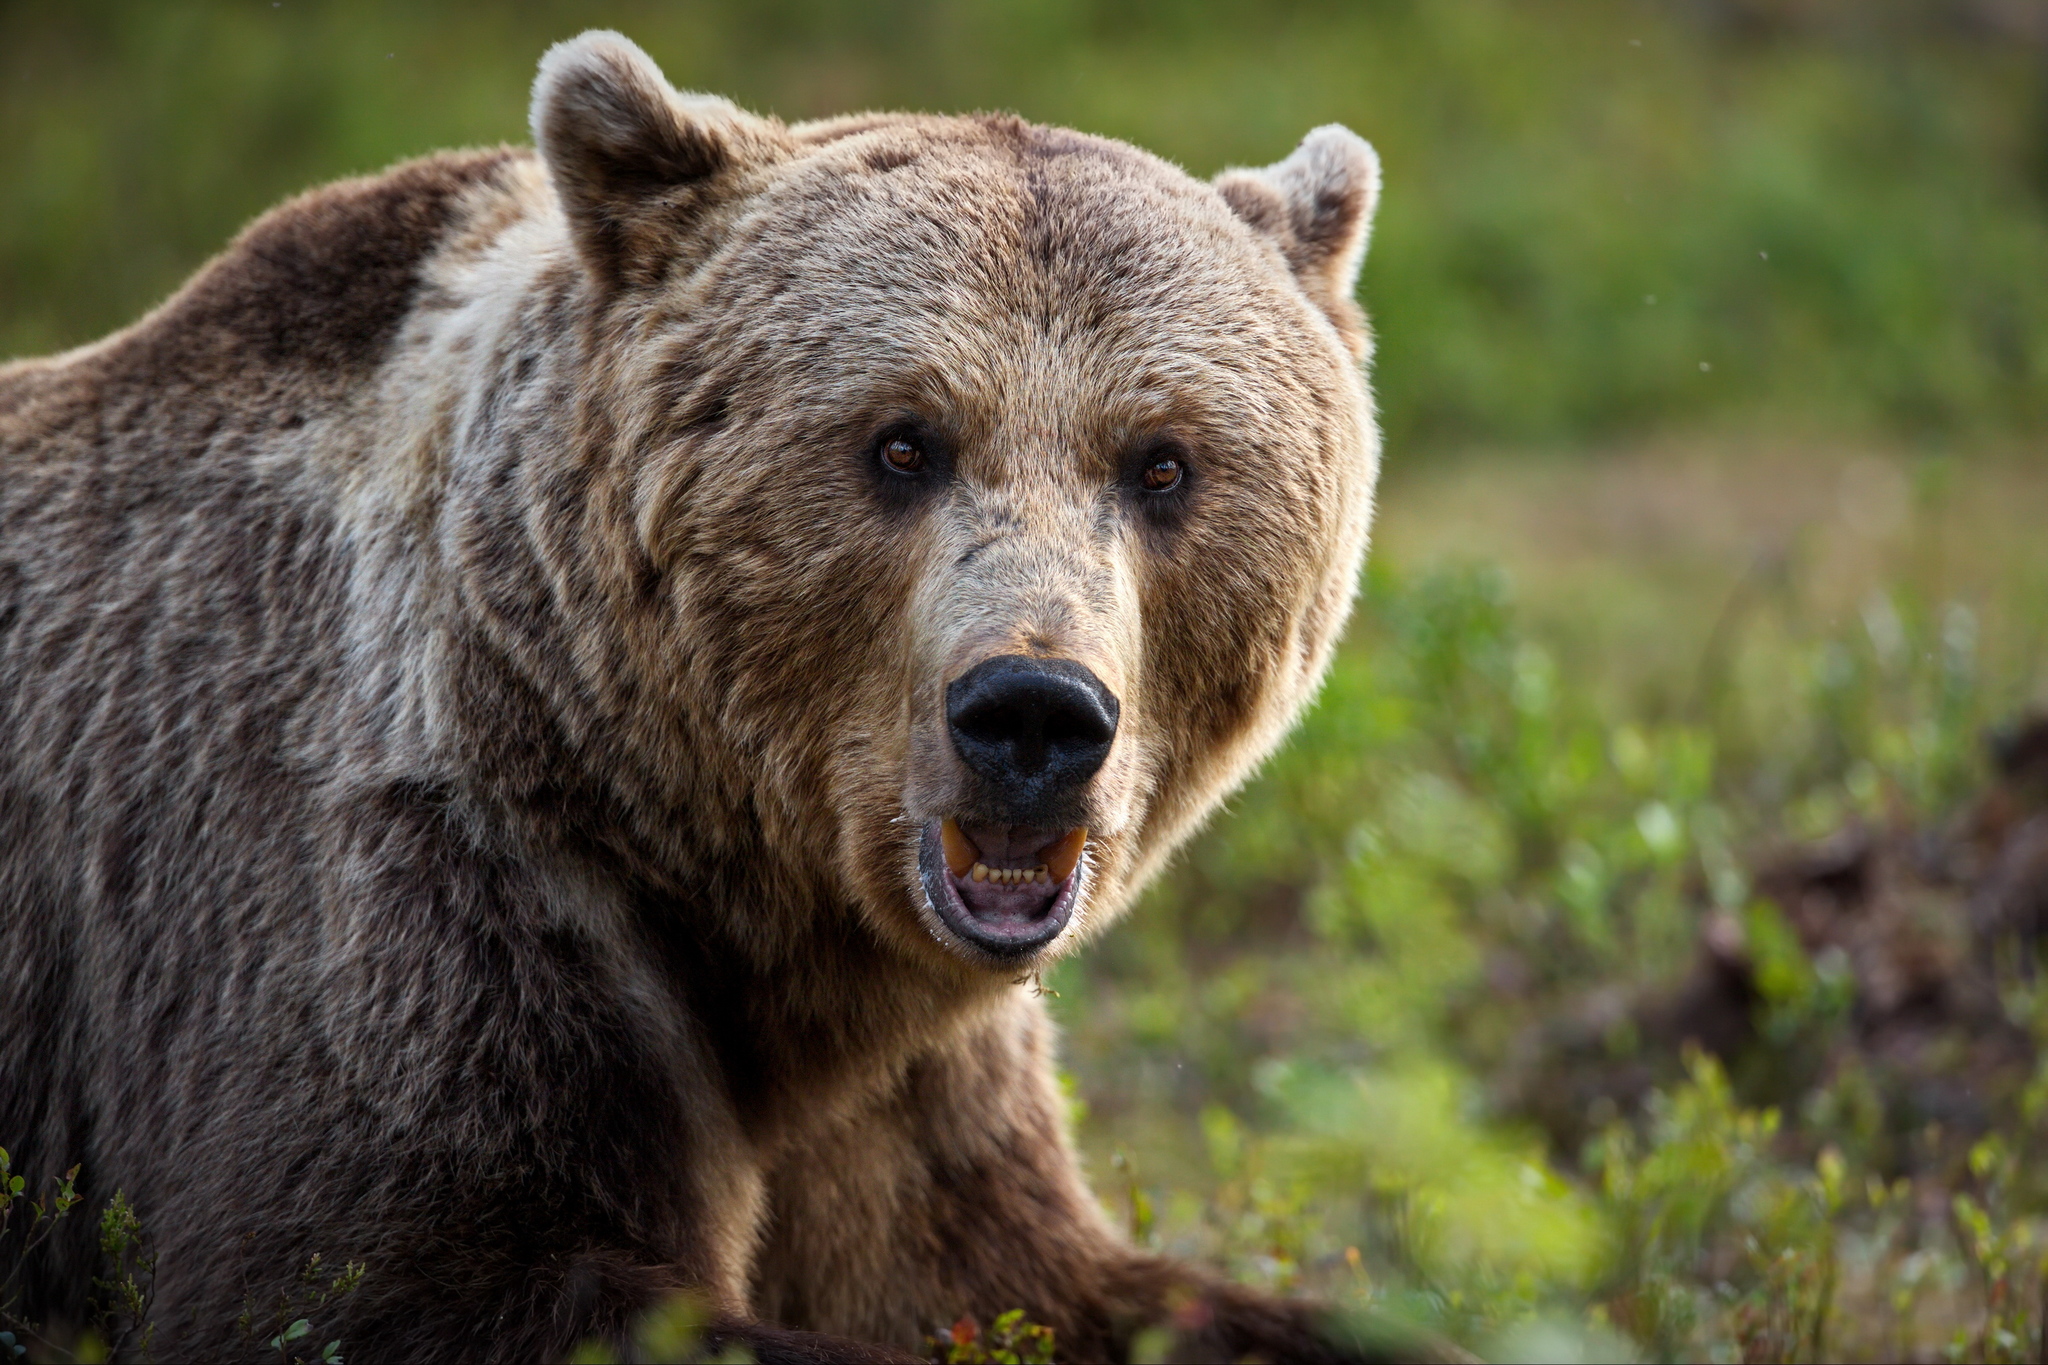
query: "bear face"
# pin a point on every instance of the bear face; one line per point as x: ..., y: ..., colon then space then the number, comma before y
x: 1005, y: 486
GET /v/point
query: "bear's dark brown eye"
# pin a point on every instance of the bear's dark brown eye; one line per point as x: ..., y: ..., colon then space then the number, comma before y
x: 903, y: 455
x: 1162, y: 475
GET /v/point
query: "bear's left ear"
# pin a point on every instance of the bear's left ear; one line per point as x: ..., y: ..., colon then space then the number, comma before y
x: 1317, y: 207
x: 634, y: 162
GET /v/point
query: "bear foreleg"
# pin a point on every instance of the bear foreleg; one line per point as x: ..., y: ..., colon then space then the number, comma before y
x: 957, y: 1193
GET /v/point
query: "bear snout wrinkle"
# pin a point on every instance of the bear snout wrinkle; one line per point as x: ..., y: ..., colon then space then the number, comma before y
x: 1033, y: 730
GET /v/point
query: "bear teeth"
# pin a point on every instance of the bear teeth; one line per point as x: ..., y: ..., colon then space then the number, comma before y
x: 963, y: 859
x: 1011, y: 876
x: 1062, y: 857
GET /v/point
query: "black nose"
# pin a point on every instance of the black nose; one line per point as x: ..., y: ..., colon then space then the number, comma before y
x: 1032, y: 729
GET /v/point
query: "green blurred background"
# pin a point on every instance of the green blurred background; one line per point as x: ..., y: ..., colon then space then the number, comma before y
x: 1599, y: 218
x: 1713, y: 357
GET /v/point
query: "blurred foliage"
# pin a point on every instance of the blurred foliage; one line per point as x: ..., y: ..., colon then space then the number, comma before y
x: 1010, y: 1340
x: 1601, y: 215
x: 1302, y: 1056
x: 673, y: 1332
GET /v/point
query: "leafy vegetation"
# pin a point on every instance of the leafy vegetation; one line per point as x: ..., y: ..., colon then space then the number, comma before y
x: 286, y: 1324
x: 119, y: 1323
x: 1423, y: 1024
x: 1009, y: 1340
x: 673, y: 1330
x: 26, y: 1224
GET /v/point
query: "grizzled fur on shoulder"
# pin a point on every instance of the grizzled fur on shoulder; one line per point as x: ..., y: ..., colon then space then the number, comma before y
x: 548, y: 702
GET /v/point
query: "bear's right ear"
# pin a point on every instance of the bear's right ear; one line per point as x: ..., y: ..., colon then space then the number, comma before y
x: 633, y: 161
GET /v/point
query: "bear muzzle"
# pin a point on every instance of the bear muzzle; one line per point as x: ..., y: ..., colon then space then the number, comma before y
x: 1006, y: 870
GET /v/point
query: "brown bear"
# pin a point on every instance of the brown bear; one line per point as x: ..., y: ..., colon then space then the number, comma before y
x: 554, y: 703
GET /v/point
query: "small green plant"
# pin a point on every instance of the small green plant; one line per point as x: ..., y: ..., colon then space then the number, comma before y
x: 2008, y: 1263
x: 289, y: 1319
x: 29, y: 1224
x: 1009, y: 1340
x: 121, y: 1301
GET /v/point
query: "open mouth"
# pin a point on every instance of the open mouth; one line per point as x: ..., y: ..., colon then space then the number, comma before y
x: 1007, y: 889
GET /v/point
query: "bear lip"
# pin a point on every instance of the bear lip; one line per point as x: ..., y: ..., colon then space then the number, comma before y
x: 1003, y: 921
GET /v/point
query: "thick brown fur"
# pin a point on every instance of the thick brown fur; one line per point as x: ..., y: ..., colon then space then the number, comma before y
x: 468, y: 698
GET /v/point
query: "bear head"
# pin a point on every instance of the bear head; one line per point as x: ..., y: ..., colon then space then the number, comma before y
x: 1003, y: 489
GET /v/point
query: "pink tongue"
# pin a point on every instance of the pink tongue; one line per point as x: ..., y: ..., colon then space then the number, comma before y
x: 1009, y: 846
x: 1018, y: 903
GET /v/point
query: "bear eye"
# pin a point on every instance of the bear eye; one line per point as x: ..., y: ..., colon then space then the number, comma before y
x: 903, y: 455
x: 1163, y: 475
